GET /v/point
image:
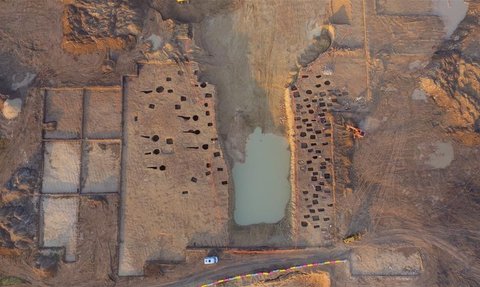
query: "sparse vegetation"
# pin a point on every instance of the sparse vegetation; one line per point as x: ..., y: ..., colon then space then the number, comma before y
x: 10, y: 280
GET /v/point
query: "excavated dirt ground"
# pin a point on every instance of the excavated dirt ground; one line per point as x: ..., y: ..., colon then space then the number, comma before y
x: 411, y: 182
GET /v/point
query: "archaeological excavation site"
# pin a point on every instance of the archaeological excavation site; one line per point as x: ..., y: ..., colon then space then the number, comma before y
x: 200, y: 143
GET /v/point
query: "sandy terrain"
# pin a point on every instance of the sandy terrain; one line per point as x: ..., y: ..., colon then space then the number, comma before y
x: 101, y: 167
x: 386, y: 262
x: 251, y: 94
x: 411, y: 181
x: 103, y: 113
x: 61, y: 167
x: 60, y: 224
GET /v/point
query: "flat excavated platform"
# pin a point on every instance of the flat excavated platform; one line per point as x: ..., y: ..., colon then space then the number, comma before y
x: 371, y: 261
x: 174, y: 177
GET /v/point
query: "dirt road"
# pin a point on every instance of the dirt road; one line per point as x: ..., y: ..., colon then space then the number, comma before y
x: 257, y: 264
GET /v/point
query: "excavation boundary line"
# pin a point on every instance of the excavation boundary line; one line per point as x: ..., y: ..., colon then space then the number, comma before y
x: 277, y: 271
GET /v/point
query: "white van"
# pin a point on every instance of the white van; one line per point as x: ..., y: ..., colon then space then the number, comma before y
x: 210, y: 260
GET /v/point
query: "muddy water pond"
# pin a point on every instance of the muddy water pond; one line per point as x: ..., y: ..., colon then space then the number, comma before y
x: 262, y: 186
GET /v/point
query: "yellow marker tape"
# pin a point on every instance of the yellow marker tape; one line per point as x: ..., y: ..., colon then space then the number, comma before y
x: 274, y: 271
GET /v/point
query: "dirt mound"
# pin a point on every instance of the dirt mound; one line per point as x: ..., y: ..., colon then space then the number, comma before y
x: 11, y: 108
x: 89, y: 25
x: 453, y: 80
x: 319, y: 45
x: 313, y: 279
x: 18, y: 215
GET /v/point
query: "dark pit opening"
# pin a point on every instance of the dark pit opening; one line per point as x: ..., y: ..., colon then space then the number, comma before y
x: 159, y: 89
x: 155, y: 138
x: 162, y: 167
x: 156, y: 151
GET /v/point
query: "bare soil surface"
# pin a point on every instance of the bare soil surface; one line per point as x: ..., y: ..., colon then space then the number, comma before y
x: 411, y: 181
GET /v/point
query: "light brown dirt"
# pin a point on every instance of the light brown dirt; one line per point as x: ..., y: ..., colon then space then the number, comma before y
x: 249, y: 54
x: 311, y: 279
x: 386, y: 187
x: 175, y: 184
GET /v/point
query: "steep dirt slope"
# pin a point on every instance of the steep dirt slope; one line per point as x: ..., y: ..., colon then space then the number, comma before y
x: 249, y: 54
x: 453, y: 78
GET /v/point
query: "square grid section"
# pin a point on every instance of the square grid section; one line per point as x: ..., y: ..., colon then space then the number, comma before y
x: 82, y: 147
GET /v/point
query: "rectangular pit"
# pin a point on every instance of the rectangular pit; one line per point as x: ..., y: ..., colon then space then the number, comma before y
x: 103, y: 113
x: 65, y: 108
x: 101, y: 167
x: 61, y: 167
x: 59, y: 224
